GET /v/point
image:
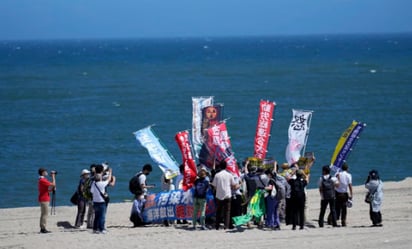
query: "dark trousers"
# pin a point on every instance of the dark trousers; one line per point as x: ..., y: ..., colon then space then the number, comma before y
x: 323, y: 205
x: 235, y: 208
x: 288, y: 212
x: 223, y: 212
x: 376, y: 217
x: 341, y: 207
x: 297, y: 212
x: 81, y: 211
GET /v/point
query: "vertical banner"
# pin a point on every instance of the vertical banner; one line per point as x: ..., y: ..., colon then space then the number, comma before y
x: 190, y: 171
x: 263, y: 128
x: 198, y: 103
x: 298, y: 134
x: 220, y: 147
x: 211, y: 115
x: 156, y: 150
x: 345, y: 144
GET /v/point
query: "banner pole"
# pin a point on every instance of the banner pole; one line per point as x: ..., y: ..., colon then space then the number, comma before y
x: 307, y: 133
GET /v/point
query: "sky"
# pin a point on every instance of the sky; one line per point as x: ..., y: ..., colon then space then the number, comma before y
x: 90, y: 19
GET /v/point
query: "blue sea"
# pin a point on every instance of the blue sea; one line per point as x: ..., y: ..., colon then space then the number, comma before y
x: 65, y: 104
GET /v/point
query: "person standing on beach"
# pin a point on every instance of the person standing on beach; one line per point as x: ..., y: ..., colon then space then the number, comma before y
x: 297, y: 199
x: 272, y: 201
x: 45, y: 187
x: 327, y: 185
x: 98, y: 190
x: 166, y: 186
x: 223, y: 182
x: 82, y: 203
x: 200, y: 188
x: 88, y: 196
x: 236, y: 205
x: 342, y: 195
x: 375, y: 187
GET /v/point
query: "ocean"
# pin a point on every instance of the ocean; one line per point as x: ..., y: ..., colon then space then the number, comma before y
x: 66, y: 104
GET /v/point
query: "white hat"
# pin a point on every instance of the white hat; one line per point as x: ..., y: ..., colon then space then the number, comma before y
x: 85, y: 171
x: 105, y: 166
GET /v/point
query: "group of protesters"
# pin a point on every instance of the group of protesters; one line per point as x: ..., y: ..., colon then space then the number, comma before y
x: 280, y: 189
x: 265, y: 196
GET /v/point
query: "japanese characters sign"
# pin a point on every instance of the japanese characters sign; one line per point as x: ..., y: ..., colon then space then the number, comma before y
x: 264, y: 125
x: 172, y: 205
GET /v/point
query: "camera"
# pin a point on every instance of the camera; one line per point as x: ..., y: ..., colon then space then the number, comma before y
x: 53, y: 172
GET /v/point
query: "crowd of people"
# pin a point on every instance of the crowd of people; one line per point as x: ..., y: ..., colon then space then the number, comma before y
x: 283, y: 189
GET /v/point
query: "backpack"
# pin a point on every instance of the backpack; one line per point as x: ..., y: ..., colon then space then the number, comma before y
x: 280, y: 188
x: 328, y: 188
x: 87, y: 194
x: 135, y: 186
x: 201, y: 186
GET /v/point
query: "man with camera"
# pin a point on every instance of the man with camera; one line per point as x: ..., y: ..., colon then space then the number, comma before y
x: 45, y: 187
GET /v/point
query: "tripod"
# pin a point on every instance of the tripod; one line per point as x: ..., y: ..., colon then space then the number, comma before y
x: 53, y: 203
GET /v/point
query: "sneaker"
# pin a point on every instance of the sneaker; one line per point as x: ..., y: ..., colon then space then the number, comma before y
x: 96, y: 232
x: 44, y: 231
x: 204, y: 228
x: 103, y: 232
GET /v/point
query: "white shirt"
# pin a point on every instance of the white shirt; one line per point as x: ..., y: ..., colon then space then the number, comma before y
x: 142, y: 180
x: 94, y: 189
x: 223, y: 182
x: 344, y: 180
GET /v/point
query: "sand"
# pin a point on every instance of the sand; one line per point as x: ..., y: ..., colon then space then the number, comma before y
x: 20, y: 228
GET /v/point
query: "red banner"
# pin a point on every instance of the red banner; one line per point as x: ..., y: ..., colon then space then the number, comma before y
x: 264, y: 125
x: 219, y: 146
x: 190, y: 171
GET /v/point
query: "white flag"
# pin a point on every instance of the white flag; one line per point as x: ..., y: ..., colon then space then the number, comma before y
x: 298, y: 134
x: 198, y: 104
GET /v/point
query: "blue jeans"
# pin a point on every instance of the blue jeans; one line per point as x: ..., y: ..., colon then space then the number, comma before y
x: 272, y: 218
x: 99, y: 215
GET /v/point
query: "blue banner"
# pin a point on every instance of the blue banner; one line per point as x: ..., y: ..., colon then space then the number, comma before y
x: 345, y: 144
x: 156, y: 150
x: 173, y: 205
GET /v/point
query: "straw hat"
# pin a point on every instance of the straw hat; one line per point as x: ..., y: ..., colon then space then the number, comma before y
x: 285, y: 166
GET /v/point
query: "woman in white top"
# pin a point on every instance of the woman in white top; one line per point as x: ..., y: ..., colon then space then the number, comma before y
x: 98, y: 189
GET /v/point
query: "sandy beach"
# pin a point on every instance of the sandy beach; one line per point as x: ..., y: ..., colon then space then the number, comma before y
x: 20, y: 228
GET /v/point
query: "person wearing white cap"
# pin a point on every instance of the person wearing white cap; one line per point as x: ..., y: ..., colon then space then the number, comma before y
x: 81, y: 205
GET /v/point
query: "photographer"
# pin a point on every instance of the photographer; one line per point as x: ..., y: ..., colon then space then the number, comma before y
x: 45, y: 187
x: 100, y: 200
